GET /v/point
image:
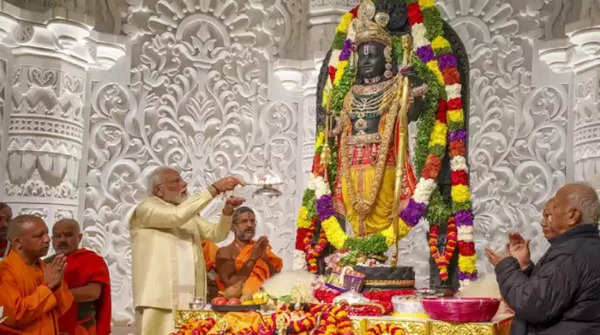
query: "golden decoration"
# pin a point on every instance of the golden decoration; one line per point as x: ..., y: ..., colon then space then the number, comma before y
x: 371, y: 26
x: 412, y: 327
x: 405, y: 283
x: 184, y: 316
x: 361, y: 324
x: 389, y: 108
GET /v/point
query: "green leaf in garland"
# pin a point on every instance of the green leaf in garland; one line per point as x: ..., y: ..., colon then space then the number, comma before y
x: 338, y: 41
x: 442, y: 51
x: 370, y: 245
x: 429, y: 107
x: 454, y: 126
x: 438, y: 150
x: 308, y: 201
x: 432, y: 22
x: 333, y: 163
x: 437, y: 212
x: 340, y: 90
x: 461, y: 206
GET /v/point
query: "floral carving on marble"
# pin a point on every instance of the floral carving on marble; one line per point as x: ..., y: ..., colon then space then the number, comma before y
x: 198, y: 101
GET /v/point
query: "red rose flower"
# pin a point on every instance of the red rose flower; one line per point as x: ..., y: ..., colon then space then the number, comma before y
x: 332, y: 71
x: 414, y: 14
x: 451, y: 76
x: 301, y: 233
x: 458, y: 177
x: 432, y: 167
x: 466, y: 248
x: 441, y: 113
x: 455, y: 103
x: 457, y: 148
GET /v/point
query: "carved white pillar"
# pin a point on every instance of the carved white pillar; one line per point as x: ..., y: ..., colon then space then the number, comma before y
x: 298, y: 83
x: 49, y: 65
x: 323, y: 17
x: 577, y: 57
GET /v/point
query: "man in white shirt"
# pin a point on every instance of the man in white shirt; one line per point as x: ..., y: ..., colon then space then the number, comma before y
x: 168, y: 268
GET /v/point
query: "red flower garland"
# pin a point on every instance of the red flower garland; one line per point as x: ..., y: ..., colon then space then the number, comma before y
x: 313, y: 252
x: 442, y: 261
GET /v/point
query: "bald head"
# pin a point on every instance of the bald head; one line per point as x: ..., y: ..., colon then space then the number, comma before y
x: 66, y: 236
x: 70, y: 224
x: 583, y: 198
x: 18, y: 226
x: 28, y: 235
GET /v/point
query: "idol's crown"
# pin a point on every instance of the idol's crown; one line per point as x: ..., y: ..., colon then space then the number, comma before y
x: 370, y: 26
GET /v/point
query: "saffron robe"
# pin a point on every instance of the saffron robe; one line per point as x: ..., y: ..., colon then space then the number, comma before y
x: 259, y: 273
x: 90, y: 317
x: 32, y: 308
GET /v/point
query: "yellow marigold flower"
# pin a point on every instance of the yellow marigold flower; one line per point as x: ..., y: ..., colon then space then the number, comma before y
x: 440, y: 43
x: 460, y: 193
x: 426, y: 3
x: 466, y: 264
x: 340, y: 71
x: 335, y: 234
x: 388, y: 233
x: 303, y: 221
x: 456, y: 115
x: 344, y: 23
x: 434, y: 67
x: 438, y: 134
x: 320, y: 140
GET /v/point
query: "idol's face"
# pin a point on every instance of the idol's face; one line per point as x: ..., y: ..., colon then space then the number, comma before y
x: 371, y: 60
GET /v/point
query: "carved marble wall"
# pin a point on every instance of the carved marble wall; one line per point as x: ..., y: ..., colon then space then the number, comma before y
x: 198, y: 100
x: 215, y: 88
x: 45, y: 68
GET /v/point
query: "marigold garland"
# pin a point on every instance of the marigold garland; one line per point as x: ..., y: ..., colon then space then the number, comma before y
x: 443, y: 260
x: 333, y: 320
x: 440, y: 129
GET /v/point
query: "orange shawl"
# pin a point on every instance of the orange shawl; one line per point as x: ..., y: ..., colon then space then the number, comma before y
x: 259, y: 273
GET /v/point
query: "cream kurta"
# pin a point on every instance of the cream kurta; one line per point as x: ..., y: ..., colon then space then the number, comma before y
x: 167, y: 259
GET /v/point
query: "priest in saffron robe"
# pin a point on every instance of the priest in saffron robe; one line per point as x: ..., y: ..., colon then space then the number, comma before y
x: 34, y: 294
x: 88, y: 279
x: 244, y: 260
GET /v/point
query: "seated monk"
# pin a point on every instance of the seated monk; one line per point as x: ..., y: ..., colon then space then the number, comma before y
x: 89, y: 282
x: 32, y: 292
x: 244, y: 260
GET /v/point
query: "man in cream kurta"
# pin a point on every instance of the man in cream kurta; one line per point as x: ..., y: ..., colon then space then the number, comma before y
x: 168, y: 268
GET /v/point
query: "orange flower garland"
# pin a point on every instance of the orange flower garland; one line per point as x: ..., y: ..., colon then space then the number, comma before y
x: 443, y: 260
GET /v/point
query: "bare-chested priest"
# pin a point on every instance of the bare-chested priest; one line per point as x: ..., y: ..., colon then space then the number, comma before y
x: 246, y: 263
